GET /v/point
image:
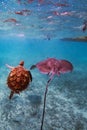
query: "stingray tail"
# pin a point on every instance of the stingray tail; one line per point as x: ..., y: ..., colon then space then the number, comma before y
x: 42, y: 121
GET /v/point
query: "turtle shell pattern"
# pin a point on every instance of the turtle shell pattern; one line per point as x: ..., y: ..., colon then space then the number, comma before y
x: 18, y: 79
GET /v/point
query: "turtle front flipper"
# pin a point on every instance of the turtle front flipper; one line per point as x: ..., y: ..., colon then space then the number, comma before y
x: 11, y: 94
x: 10, y: 67
x: 32, y: 67
x: 30, y: 76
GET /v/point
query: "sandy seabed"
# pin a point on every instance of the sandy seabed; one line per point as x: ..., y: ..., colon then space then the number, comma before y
x: 66, y: 106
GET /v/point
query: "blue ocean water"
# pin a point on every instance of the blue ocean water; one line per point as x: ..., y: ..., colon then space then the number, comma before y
x: 66, y: 105
x: 33, y: 31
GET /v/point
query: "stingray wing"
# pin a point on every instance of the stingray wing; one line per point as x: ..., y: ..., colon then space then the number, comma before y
x: 46, y: 66
x: 43, y: 67
x: 65, y: 66
x: 53, y: 66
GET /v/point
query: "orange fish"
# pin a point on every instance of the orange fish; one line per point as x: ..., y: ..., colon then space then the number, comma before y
x: 66, y: 13
x: 23, y: 12
x: 40, y: 1
x: 30, y: 1
x: 56, y: 13
x: 11, y: 20
x: 19, y: 12
x: 60, y: 4
x: 19, y: 1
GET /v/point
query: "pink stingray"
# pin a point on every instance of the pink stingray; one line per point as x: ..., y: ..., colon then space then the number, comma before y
x: 52, y: 66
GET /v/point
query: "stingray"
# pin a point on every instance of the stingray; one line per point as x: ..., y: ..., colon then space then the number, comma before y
x: 52, y: 67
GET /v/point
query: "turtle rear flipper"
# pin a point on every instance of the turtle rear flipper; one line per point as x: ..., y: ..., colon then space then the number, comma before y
x: 11, y: 94
x: 32, y: 67
x: 30, y: 76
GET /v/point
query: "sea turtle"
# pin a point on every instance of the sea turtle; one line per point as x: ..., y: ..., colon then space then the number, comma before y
x: 18, y: 79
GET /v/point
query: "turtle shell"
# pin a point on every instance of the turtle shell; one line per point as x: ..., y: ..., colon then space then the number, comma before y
x: 19, y: 79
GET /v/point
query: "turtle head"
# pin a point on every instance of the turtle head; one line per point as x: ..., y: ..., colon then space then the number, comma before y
x: 21, y: 63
